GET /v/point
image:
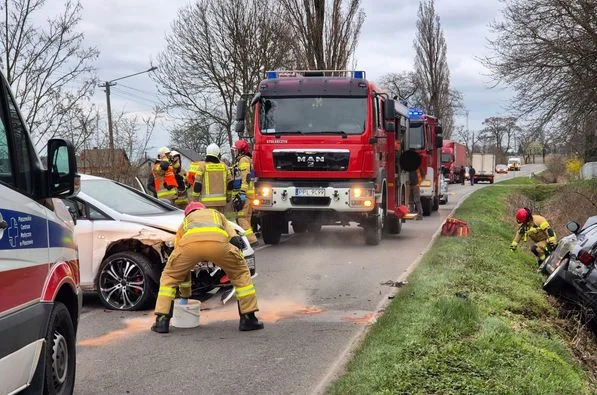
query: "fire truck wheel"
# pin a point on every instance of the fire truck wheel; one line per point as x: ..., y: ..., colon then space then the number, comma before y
x: 393, y: 225
x: 60, y: 352
x: 435, y: 203
x: 373, y: 229
x: 426, y: 205
x: 271, y: 229
x: 314, y: 227
x: 299, y: 227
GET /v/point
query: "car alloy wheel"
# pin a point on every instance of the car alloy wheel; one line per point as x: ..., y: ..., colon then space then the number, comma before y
x: 122, y: 283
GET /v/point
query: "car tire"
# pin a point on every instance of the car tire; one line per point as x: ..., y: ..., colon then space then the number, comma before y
x: 59, y: 352
x: 139, y: 288
x: 555, y: 283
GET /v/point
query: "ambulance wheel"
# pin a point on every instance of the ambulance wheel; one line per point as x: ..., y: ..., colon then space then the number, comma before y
x: 59, y: 350
x: 271, y: 228
x: 124, y: 281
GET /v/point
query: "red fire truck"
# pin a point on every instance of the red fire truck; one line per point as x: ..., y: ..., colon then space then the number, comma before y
x: 328, y: 150
x: 425, y: 137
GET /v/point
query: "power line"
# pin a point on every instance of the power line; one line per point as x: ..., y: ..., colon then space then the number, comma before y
x: 138, y: 90
x: 132, y: 96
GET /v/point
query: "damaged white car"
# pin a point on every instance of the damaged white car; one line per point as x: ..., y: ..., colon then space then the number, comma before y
x: 124, y: 239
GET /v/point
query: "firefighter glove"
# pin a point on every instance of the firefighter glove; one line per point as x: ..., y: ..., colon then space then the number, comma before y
x: 238, y: 202
x: 164, y: 165
x: 513, y: 246
x: 238, y: 242
x: 197, y: 187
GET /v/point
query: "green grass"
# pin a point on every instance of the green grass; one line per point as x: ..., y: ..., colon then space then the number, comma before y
x: 472, y: 319
x: 520, y: 181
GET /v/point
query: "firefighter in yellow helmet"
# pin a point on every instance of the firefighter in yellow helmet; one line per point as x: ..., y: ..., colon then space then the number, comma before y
x: 243, y: 188
x: 164, y: 179
x: 538, y: 229
x: 211, y: 180
x: 180, y: 174
x: 206, y: 235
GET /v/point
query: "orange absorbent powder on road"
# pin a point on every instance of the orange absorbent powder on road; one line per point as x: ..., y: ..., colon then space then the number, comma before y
x: 455, y: 227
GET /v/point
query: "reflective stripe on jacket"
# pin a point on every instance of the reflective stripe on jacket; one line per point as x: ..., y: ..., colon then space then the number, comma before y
x: 205, y: 225
x: 243, y: 176
x: 163, y: 178
x: 535, y: 229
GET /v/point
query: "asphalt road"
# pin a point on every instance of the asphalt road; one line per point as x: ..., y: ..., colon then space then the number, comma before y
x: 317, y: 292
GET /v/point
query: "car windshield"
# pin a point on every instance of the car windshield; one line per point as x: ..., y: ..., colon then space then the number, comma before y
x: 416, y: 138
x: 121, y: 199
x: 313, y: 115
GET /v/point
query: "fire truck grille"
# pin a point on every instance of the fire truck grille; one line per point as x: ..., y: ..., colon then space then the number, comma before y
x: 336, y: 160
x: 310, y: 201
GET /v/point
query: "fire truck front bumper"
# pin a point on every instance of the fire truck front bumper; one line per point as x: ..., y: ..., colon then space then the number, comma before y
x: 340, y: 196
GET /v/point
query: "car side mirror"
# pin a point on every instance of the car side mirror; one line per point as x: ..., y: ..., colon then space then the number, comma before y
x: 573, y: 227
x: 241, y: 110
x: 440, y: 130
x: 439, y: 141
x: 389, y: 112
x: 62, y: 177
x: 239, y: 128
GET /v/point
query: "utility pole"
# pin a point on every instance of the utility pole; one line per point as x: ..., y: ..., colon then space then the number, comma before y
x: 107, y: 85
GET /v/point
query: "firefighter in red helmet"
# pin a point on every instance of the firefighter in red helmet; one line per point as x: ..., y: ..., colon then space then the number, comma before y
x: 206, y: 235
x: 538, y: 229
x: 243, y: 187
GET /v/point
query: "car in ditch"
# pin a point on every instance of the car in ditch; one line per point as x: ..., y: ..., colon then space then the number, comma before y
x: 124, y: 238
x: 571, y: 266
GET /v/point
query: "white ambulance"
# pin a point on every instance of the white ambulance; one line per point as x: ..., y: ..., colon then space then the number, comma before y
x: 40, y: 297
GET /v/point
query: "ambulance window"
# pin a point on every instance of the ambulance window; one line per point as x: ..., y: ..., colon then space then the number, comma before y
x: 5, y: 167
x: 22, y: 150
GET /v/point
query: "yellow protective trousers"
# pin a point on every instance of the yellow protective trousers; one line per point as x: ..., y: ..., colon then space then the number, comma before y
x: 243, y: 219
x: 191, y: 250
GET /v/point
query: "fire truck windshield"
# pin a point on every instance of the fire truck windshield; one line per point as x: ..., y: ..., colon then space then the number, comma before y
x: 416, y: 136
x: 313, y: 115
x: 446, y: 158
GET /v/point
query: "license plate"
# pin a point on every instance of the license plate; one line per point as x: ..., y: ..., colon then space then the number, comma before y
x: 310, y: 192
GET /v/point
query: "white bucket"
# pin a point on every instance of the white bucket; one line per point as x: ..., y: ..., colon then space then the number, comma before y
x: 186, y: 315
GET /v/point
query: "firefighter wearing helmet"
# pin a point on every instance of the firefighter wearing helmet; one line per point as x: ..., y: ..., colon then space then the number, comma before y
x: 206, y: 235
x: 180, y: 174
x: 243, y: 187
x: 164, y: 178
x: 538, y: 229
x: 210, y: 180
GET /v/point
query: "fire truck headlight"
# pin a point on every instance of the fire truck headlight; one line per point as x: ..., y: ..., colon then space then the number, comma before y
x: 367, y: 203
x: 356, y: 192
x: 265, y: 191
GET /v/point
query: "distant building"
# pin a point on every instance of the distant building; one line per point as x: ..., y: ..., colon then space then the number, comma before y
x: 102, y: 162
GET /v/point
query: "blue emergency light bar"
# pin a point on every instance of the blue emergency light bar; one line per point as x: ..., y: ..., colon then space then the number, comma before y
x: 415, y: 113
x: 270, y: 75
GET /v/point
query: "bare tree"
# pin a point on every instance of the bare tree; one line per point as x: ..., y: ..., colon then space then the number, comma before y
x: 198, y: 136
x: 401, y: 85
x: 217, y: 50
x: 326, y: 32
x: 499, y: 134
x: 432, y: 75
x: 48, y: 67
x: 545, y: 50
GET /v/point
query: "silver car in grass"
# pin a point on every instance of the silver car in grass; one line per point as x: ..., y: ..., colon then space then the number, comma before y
x: 125, y: 238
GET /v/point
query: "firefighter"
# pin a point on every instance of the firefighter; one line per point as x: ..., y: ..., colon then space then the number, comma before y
x: 210, y: 182
x: 538, y: 229
x: 206, y: 235
x: 414, y: 192
x: 243, y: 187
x: 180, y: 174
x: 164, y: 179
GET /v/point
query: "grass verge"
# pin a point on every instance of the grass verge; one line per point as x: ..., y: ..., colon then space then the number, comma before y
x: 472, y: 319
x: 521, y: 181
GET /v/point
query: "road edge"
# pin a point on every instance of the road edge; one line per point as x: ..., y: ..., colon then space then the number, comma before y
x: 339, y: 364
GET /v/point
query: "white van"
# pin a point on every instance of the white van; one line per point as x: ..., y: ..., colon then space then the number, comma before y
x: 40, y: 297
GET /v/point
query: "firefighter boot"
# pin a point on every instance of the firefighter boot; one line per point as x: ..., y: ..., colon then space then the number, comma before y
x: 248, y: 322
x: 162, y: 321
x: 162, y: 324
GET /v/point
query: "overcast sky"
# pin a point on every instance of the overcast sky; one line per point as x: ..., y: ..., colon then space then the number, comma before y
x: 130, y: 34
